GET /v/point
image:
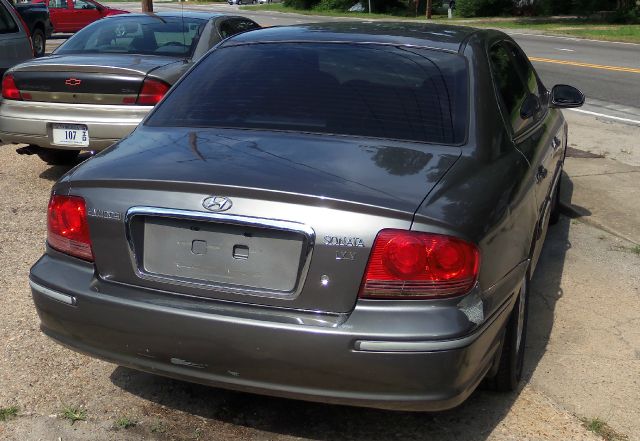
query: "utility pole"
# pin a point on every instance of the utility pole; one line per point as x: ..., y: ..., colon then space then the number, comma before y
x: 147, y: 5
x: 429, y: 2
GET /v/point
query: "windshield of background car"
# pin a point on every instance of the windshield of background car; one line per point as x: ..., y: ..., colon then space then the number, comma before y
x: 348, y: 89
x: 173, y: 36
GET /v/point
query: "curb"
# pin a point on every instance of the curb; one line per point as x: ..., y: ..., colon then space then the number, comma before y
x: 575, y: 213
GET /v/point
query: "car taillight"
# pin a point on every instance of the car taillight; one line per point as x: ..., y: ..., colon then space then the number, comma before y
x: 10, y: 89
x: 415, y: 265
x: 152, y: 92
x: 68, y: 230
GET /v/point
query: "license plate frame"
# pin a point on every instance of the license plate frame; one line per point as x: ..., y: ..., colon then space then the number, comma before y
x: 70, y: 135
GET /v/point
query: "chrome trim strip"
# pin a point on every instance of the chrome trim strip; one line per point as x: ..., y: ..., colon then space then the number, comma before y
x: 433, y: 345
x: 55, y: 295
x: 281, y: 225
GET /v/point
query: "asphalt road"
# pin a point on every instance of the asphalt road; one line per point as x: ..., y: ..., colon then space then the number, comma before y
x: 608, y: 73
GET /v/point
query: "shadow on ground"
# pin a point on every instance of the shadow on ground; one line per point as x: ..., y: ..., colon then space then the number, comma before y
x: 55, y: 172
x: 474, y: 420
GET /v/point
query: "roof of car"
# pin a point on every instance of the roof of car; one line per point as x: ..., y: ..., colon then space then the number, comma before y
x: 437, y: 36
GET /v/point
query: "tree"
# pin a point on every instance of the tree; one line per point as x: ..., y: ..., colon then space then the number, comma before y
x: 147, y: 5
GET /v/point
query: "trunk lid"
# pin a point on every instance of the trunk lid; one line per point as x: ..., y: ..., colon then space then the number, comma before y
x: 293, y: 224
x: 86, y: 79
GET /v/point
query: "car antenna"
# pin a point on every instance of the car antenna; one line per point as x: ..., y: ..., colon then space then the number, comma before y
x: 184, y: 39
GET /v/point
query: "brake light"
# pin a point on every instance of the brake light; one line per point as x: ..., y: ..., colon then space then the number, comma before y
x: 152, y: 92
x: 10, y: 89
x: 416, y: 265
x: 68, y: 230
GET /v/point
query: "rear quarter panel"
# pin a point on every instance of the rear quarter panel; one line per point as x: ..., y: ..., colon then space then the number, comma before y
x: 488, y: 196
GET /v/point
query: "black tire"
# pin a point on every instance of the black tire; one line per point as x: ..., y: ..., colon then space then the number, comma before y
x: 554, y: 215
x: 58, y: 156
x: 39, y: 42
x: 511, y: 361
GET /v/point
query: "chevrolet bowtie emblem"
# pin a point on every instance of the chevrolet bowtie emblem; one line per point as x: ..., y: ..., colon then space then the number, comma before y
x: 73, y: 82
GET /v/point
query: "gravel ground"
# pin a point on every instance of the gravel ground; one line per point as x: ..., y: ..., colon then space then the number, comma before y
x: 42, y: 378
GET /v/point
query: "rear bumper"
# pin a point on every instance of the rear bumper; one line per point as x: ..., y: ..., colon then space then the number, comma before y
x: 344, y: 363
x: 25, y: 122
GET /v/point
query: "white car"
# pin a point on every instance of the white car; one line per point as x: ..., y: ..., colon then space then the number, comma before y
x: 242, y: 2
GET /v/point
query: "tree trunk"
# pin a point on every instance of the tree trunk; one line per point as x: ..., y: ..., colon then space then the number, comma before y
x: 429, y: 2
x: 147, y: 5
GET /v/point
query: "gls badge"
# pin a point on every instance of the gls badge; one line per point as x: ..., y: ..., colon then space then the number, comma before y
x: 217, y: 203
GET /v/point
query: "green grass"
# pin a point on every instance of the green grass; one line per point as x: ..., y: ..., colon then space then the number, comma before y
x: 74, y: 414
x: 8, y: 412
x: 570, y: 26
x: 602, y: 429
x: 125, y: 423
x: 279, y: 7
x: 635, y: 250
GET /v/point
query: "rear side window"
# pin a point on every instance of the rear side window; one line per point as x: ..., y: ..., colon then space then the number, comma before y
x: 7, y: 23
x: 58, y: 4
x: 348, y: 89
x: 234, y: 26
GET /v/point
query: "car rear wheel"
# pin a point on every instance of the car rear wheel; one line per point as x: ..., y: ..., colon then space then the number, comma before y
x: 511, y: 361
x: 58, y: 156
x: 554, y: 216
x: 39, y: 42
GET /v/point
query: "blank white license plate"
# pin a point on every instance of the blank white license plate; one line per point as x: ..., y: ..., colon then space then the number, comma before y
x: 70, y: 134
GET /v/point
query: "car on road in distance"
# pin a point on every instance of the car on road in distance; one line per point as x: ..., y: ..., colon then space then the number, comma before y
x: 15, y: 41
x: 360, y: 226
x: 73, y: 15
x: 36, y: 17
x: 98, y: 85
x: 242, y: 2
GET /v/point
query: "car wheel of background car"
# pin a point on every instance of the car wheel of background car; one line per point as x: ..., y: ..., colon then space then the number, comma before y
x: 511, y: 361
x: 39, y: 42
x: 57, y: 156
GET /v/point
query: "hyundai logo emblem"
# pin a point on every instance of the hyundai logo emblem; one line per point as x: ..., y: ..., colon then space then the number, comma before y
x: 73, y: 82
x: 217, y: 203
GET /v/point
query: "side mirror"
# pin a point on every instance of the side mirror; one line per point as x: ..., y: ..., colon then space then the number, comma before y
x: 530, y: 106
x: 564, y: 97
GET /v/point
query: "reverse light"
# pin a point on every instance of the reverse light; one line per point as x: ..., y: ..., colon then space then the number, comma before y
x: 10, y: 89
x: 152, y: 92
x: 68, y: 230
x: 415, y: 265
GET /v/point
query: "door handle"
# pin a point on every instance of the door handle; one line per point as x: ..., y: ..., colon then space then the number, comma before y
x: 541, y: 174
x: 555, y: 143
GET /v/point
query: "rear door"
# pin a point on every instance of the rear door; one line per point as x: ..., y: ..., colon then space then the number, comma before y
x: 535, y: 130
x: 60, y: 16
x: 14, y: 43
x: 83, y: 12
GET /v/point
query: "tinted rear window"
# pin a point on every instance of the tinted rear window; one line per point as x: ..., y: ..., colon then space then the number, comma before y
x: 348, y: 89
x: 137, y: 35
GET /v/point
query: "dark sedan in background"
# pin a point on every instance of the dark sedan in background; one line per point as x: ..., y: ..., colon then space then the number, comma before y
x: 98, y: 85
x: 359, y: 226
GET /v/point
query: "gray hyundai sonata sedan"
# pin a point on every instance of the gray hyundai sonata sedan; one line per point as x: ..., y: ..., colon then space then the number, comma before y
x: 359, y: 226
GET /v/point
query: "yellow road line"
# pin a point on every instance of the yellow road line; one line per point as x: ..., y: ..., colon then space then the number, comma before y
x: 588, y: 65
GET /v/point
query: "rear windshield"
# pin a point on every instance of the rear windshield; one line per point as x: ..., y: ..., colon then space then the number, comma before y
x: 137, y: 35
x: 348, y: 89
